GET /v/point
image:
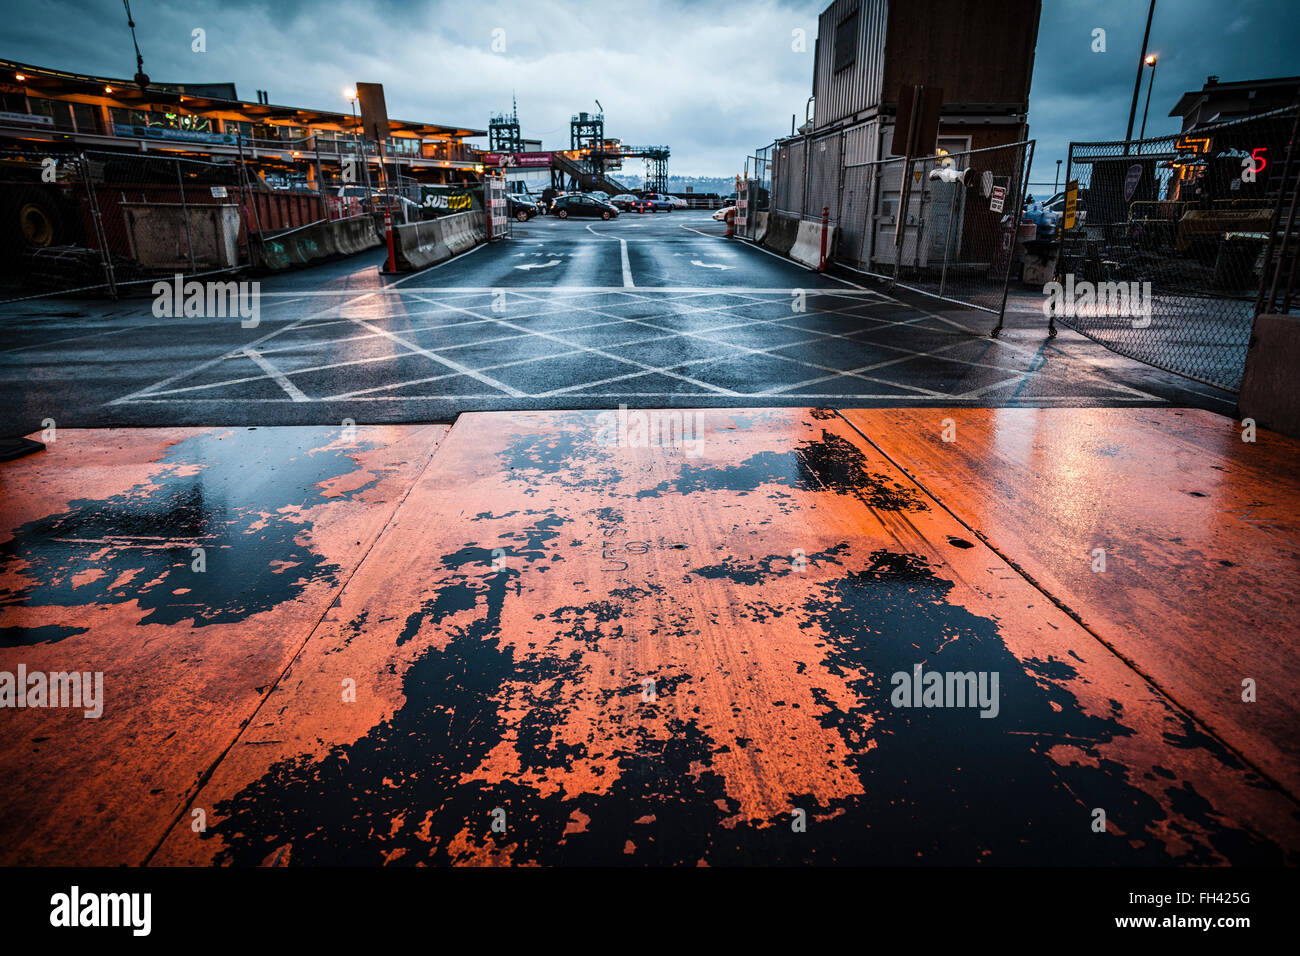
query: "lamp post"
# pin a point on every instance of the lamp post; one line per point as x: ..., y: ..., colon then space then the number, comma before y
x: 1151, y: 62
x: 358, y: 142
x: 1137, y: 83
x: 1057, y: 184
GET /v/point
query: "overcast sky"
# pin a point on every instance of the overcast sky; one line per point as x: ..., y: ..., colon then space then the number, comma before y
x: 712, y: 80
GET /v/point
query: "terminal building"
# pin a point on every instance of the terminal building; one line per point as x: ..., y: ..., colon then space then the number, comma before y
x: 56, y: 110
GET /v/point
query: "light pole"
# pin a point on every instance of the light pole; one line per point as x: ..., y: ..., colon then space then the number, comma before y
x: 1151, y: 62
x: 1057, y: 184
x: 358, y: 142
x: 1137, y: 83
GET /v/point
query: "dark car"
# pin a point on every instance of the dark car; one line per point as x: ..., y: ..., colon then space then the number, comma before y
x: 624, y: 201
x: 659, y: 201
x: 583, y: 206
x: 521, y: 207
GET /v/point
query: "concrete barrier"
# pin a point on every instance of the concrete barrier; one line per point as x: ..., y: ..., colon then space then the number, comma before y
x: 781, y: 233
x: 760, y: 226
x: 419, y: 245
x: 320, y: 240
x: 1269, y: 393
x: 807, y: 248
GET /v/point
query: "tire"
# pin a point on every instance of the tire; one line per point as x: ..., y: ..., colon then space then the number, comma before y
x: 563, y: 214
x: 605, y: 215
x: 521, y: 216
x: 33, y: 220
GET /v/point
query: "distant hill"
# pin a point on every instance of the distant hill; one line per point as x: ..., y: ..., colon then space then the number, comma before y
x: 679, y: 184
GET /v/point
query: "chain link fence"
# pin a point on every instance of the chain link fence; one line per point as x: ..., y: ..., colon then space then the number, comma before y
x: 962, y: 218
x: 1167, y: 252
x: 109, y: 221
x: 957, y: 238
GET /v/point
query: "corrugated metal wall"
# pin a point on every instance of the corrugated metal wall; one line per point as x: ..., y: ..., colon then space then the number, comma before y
x: 858, y: 87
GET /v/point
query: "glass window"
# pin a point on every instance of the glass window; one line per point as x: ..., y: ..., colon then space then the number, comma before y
x: 846, y: 42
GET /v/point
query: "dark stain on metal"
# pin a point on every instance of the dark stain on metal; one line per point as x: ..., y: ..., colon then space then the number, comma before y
x: 137, y: 546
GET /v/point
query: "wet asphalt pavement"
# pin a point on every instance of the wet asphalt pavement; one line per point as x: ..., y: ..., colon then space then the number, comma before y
x: 648, y: 311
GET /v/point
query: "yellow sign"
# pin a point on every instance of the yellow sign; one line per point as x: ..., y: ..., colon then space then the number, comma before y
x: 1071, y: 203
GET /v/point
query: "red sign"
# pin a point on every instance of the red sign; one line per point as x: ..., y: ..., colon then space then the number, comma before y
x: 519, y: 160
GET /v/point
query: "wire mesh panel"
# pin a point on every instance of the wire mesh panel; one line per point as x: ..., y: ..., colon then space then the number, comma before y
x: 1165, y: 258
x: 962, y: 217
x: 824, y: 169
x: 114, y: 220
x: 788, y: 178
x: 855, y: 215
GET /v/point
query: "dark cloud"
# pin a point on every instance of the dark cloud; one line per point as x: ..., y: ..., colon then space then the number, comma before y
x: 711, y: 80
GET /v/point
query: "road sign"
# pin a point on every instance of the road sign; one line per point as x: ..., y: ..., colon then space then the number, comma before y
x: 1071, y: 203
x: 998, y: 200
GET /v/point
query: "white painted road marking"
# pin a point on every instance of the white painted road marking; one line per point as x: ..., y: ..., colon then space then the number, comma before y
x: 290, y: 389
x: 539, y: 265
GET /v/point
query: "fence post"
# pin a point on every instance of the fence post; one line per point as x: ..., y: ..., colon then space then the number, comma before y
x: 826, y: 214
x: 388, y: 231
x: 105, y: 254
x: 185, y: 215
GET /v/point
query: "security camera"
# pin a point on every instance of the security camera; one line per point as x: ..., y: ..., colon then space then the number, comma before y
x: 949, y: 174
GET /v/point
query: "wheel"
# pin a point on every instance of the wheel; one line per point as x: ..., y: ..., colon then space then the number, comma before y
x: 33, y: 220
x: 605, y: 215
x: 563, y: 214
x: 521, y: 216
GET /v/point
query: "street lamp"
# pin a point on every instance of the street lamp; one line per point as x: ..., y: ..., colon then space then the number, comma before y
x: 1151, y: 62
x: 1057, y: 185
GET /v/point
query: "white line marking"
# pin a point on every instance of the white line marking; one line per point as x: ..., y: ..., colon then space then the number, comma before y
x: 433, y: 356
x: 627, y: 265
x: 291, y: 389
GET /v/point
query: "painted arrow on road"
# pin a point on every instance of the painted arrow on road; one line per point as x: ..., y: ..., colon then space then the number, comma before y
x: 709, y: 265
x: 540, y: 265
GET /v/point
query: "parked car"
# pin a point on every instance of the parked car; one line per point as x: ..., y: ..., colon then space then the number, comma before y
x: 659, y: 201
x: 1057, y: 205
x: 521, y: 207
x: 599, y: 194
x: 624, y: 201
x: 583, y: 206
x: 722, y: 214
x: 678, y: 202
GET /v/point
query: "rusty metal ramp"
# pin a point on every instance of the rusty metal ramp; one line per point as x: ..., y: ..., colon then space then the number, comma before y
x: 700, y: 637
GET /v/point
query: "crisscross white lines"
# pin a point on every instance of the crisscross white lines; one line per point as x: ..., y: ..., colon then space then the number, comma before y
x: 626, y: 342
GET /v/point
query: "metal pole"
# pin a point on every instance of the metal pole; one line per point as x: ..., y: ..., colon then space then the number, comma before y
x: 947, y: 242
x: 1142, y: 135
x: 98, y: 221
x: 185, y: 214
x: 251, y: 197
x: 1018, y: 207
x: 1137, y: 83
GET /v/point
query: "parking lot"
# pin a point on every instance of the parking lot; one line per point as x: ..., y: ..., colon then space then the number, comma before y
x: 646, y: 310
